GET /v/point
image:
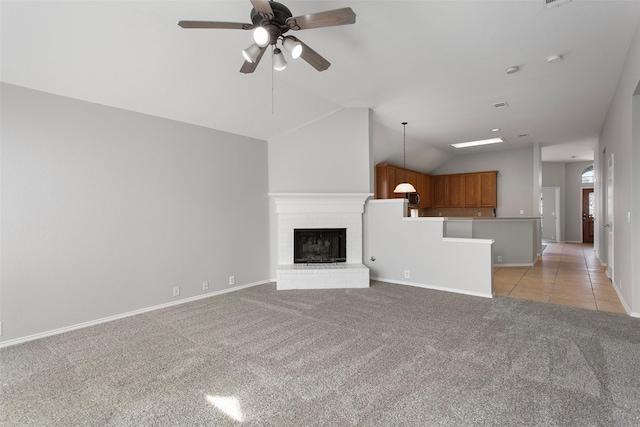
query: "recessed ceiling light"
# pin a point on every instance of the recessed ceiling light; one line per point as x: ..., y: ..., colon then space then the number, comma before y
x: 495, y: 129
x: 512, y: 69
x: 522, y: 135
x: 475, y: 143
x: 502, y: 104
x: 554, y: 58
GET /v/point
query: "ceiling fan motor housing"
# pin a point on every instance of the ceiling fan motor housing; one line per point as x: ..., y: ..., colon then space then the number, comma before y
x: 276, y: 25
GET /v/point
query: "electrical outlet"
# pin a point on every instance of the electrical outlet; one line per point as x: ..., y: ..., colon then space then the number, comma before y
x: 205, y: 286
x: 406, y: 274
x: 521, y: 211
x: 232, y: 280
x: 499, y: 258
x: 176, y: 291
x: 479, y: 213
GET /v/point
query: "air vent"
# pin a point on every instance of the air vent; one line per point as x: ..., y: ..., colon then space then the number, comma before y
x: 501, y: 105
x: 549, y: 4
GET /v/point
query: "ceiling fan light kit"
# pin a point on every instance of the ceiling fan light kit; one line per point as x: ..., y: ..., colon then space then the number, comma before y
x: 261, y: 36
x: 251, y: 53
x: 279, y: 63
x: 292, y: 46
x: 270, y: 21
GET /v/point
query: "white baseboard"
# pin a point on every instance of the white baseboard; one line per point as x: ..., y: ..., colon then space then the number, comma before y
x: 127, y: 314
x: 622, y: 301
x: 437, y: 288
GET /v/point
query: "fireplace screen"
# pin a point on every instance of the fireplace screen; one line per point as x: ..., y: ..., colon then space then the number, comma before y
x: 320, y: 245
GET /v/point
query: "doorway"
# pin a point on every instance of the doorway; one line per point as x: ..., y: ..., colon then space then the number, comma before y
x: 549, y: 208
x: 588, y: 212
x: 609, y: 220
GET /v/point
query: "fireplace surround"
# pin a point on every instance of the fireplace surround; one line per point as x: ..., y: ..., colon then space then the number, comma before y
x: 299, y: 211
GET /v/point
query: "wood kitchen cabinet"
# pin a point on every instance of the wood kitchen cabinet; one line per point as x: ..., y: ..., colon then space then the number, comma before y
x: 456, y: 191
x: 440, y: 191
x: 465, y: 190
x: 461, y: 190
x: 471, y: 190
x: 488, y: 189
x: 389, y: 176
x: 425, y: 191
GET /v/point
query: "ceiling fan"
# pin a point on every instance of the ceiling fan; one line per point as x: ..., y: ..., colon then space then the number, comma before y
x: 270, y: 20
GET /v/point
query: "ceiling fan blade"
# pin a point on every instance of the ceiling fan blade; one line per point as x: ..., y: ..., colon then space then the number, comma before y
x: 330, y: 18
x: 213, y: 24
x: 263, y: 8
x: 312, y: 57
x: 250, y: 67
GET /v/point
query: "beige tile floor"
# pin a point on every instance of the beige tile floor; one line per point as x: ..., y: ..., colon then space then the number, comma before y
x: 565, y: 274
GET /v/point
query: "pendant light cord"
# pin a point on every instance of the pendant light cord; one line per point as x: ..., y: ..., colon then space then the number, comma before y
x: 404, y: 150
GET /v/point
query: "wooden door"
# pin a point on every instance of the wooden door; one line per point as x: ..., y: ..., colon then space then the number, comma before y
x: 588, y: 211
x: 471, y: 183
x: 440, y: 191
x: 488, y: 190
x: 383, y: 182
x: 426, y: 196
x: 456, y: 190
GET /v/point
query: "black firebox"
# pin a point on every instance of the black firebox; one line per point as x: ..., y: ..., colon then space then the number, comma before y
x: 319, y: 245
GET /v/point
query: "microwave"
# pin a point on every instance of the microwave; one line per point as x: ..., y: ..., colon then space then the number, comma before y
x: 414, y: 199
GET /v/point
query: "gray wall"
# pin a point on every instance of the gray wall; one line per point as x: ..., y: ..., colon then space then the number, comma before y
x: 515, y: 177
x: 104, y: 211
x: 330, y: 155
x: 616, y: 138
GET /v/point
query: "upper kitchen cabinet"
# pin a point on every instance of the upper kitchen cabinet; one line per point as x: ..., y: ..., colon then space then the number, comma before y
x: 425, y: 190
x: 389, y: 176
x: 456, y: 191
x: 488, y: 189
x: 440, y: 191
x: 465, y: 190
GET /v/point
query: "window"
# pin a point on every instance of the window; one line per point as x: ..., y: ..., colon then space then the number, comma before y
x: 587, y: 175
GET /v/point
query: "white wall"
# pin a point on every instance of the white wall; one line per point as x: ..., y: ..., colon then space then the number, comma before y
x: 417, y: 245
x: 616, y: 138
x: 515, y: 177
x: 104, y: 211
x: 330, y: 155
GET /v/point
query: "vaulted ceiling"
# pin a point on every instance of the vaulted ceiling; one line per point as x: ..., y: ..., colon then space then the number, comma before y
x: 439, y: 65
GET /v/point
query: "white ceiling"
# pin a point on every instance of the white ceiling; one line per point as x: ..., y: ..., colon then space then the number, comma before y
x: 439, y: 65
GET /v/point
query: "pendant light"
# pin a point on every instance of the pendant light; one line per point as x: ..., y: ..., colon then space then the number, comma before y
x: 404, y: 187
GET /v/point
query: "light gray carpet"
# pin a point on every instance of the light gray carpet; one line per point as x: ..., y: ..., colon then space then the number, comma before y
x: 390, y: 355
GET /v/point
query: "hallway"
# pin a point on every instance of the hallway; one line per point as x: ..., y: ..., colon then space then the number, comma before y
x: 566, y: 274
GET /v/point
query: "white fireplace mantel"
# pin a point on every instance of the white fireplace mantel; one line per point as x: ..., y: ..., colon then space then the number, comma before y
x: 320, y: 202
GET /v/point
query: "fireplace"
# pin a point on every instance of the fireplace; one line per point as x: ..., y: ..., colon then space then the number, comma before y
x: 319, y: 245
x: 327, y: 261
